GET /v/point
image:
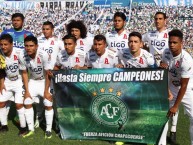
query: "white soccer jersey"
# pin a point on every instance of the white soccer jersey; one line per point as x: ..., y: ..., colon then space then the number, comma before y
x: 157, y: 42
x: 52, y: 46
x: 144, y: 60
x: 116, y: 41
x: 69, y: 61
x: 180, y: 66
x: 84, y: 44
x: 36, y: 66
x: 12, y: 65
x: 107, y: 60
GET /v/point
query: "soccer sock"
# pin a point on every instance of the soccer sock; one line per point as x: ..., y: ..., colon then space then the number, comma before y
x: 174, y: 122
x: 21, y: 114
x: 29, y: 114
x: 49, y: 119
x: 173, y: 128
x: 3, y: 116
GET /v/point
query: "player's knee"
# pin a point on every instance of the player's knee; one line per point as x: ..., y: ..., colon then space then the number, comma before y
x: 48, y: 103
x: 18, y: 106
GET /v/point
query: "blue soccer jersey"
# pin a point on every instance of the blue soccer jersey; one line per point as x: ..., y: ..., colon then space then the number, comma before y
x: 18, y: 37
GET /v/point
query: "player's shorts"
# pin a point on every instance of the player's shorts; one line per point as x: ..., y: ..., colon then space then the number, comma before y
x: 36, y: 89
x: 187, y: 102
x: 13, y: 88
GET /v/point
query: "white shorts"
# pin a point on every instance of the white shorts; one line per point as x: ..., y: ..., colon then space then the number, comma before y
x: 36, y: 89
x: 187, y: 102
x: 13, y: 88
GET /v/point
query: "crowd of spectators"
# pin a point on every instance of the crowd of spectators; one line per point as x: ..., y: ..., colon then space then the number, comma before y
x: 99, y: 19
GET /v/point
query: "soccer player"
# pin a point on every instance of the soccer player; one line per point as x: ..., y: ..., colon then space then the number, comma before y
x: 36, y: 61
x: 157, y: 40
x: 11, y: 84
x: 135, y: 56
x: 69, y: 58
x: 17, y: 32
x: 100, y: 56
x: 52, y: 45
x: 180, y: 65
x: 118, y: 38
x: 49, y: 43
x: 79, y: 30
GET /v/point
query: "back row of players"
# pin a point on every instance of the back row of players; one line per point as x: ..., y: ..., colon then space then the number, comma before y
x: 116, y: 49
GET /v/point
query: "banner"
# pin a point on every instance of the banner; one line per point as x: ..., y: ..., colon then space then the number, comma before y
x: 112, y: 104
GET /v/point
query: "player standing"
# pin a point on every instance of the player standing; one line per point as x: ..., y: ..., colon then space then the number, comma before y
x: 135, y: 56
x: 79, y: 30
x: 118, y: 38
x: 17, y: 32
x: 100, y: 56
x: 157, y: 40
x: 52, y: 45
x: 180, y: 65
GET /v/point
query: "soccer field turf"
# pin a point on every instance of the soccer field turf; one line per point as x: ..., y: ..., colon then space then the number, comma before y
x: 11, y: 137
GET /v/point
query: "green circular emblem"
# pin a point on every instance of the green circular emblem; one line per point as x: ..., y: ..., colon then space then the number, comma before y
x: 107, y: 109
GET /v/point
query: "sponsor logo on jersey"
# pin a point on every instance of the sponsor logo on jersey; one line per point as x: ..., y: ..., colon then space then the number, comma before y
x: 13, y: 68
x: 37, y: 70
x: 118, y: 44
x: 158, y: 44
x: 18, y: 44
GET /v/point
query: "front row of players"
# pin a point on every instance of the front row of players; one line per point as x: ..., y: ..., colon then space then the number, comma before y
x: 32, y: 67
x: 37, y: 63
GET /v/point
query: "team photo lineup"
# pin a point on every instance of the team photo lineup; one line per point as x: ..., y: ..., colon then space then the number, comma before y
x: 35, y: 42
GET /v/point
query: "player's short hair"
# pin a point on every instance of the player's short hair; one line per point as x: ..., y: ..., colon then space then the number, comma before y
x: 7, y: 37
x: 137, y: 34
x: 31, y: 38
x: 120, y: 14
x: 100, y: 37
x: 18, y: 15
x: 69, y: 37
x: 176, y: 33
x: 162, y: 13
x: 49, y: 23
x: 78, y: 25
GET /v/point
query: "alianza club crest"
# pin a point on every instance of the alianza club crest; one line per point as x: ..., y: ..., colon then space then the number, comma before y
x: 108, y: 109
